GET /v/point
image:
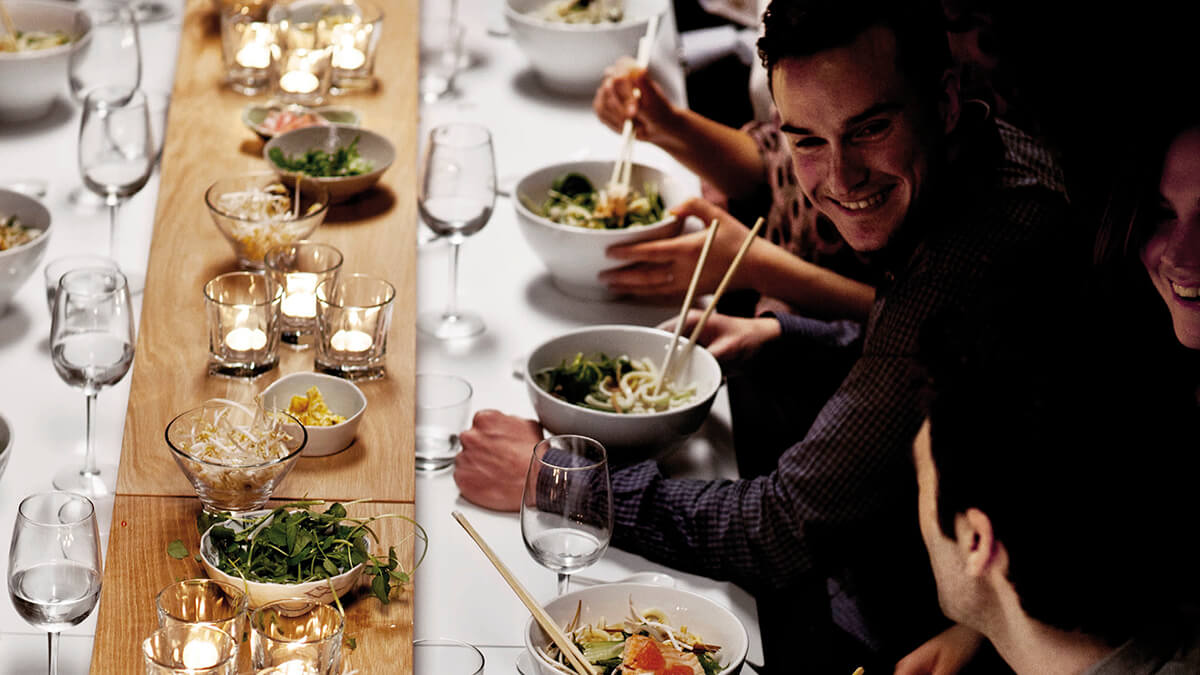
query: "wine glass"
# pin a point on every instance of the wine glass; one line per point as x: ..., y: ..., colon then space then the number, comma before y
x: 91, y: 344
x: 109, y: 56
x: 116, y: 153
x: 567, y: 508
x: 455, y: 196
x: 54, y: 563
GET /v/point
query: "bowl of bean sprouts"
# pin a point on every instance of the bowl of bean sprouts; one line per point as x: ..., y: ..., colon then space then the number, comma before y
x: 605, y: 382
x: 258, y: 211
x: 33, y: 65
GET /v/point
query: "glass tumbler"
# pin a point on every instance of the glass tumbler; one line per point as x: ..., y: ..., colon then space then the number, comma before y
x: 354, y: 313
x: 298, y: 268
x: 305, y: 635
x: 189, y: 649
x: 204, y: 602
x: 443, y: 410
x: 243, y: 323
x: 248, y: 46
x: 303, y: 67
x: 351, y: 28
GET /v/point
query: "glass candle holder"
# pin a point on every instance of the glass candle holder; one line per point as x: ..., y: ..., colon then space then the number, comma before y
x: 248, y: 46
x: 351, y: 28
x: 297, y: 636
x: 243, y: 323
x: 354, y: 313
x: 304, y: 70
x: 205, y: 602
x: 298, y: 268
x: 189, y: 649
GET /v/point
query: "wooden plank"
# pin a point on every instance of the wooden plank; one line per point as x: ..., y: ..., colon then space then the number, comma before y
x: 206, y: 140
x: 137, y: 567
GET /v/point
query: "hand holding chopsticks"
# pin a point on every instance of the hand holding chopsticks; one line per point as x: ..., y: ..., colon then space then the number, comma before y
x: 624, y: 163
x: 556, y: 634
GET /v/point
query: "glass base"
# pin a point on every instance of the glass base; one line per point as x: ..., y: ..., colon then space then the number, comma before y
x: 436, y: 448
x: 349, y: 371
x: 103, y: 483
x: 240, y: 369
x: 450, y: 326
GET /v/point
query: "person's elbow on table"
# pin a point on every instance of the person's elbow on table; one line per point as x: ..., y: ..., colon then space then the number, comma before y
x: 490, y: 470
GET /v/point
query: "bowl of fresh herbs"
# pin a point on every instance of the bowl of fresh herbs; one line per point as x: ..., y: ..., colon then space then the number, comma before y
x: 297, y: 551
x: 346, y: 159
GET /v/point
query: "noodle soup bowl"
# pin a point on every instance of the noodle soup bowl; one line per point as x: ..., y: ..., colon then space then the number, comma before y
x: 32, y: 80
x: 707, y: 620
x: 628, y: 437
x: 575, y: 256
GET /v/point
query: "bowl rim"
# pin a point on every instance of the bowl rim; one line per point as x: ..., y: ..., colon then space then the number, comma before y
x: 316, y: 110
x: 534, y: 22
x: 42, y: 232
x: 523, y: 211
x: 321, y: 190
x: 358, y: 394
x: 341, y: 128
x: 59, y: 49
x: 633, y: 586
x: 279, y: 460
x: 701, y: 398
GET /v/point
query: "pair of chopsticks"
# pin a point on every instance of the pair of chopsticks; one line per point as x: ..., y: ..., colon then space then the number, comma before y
x: 624, y: 164
x: 556, y: 634
x: 686, y: 352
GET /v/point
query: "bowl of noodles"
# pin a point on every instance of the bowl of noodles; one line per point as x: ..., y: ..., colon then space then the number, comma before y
x: 33, y: 67
x: 569, y: 43
x: 569, y: 216
x: 603, y: 382
x: 24, y: 235
x: 641, y: 628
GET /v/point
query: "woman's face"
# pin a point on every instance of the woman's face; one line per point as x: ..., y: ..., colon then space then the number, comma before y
x: 1172, y: 253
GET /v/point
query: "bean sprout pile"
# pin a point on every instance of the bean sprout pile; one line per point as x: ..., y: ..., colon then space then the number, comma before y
x: 13, y: 233
x: 32, y: 40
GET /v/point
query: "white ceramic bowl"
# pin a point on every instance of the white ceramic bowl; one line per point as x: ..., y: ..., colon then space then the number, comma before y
x: 628, y: 437
x: 17, y: 264
x: 342, y: 397
x: 259, y: 593
x: 571, y: 58
x: 6, y: 443
x: 704, y: 618
x: 575, y: 256
x: 372, y: 147
x: 31, y: 80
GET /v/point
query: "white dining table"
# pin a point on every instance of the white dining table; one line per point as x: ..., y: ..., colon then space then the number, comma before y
x: 458, y: 594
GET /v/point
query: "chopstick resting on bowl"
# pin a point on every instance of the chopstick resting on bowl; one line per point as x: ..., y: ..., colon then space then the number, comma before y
x: 687, y: 302
x: 712, y: 305
x: 556, y: 634
x: 8, y: 24
x: 624, y: 164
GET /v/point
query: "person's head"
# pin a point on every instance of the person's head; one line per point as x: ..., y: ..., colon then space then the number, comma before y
x: 866, y: 97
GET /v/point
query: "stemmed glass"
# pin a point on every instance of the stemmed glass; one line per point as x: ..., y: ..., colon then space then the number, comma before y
x: 54, y: 563
x: 567, y: 508
x: 455, y: 195
x: 91, y: 344
x: 116, y: 150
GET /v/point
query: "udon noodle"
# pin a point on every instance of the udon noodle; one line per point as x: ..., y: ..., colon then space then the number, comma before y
x: 621, y: 385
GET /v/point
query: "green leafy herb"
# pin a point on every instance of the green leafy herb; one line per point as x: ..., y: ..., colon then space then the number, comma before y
x: 573, y: 200
x: 572, y: 381
x: 344, y: 161
x: 350, y: 642
x: 708, y: 662
x: 297, y: 544
x: 177, y: 550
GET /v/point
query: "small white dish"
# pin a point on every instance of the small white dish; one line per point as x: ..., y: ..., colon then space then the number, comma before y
x: 342, y: 397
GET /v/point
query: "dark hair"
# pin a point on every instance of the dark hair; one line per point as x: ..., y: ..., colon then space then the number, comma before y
x: 1073, y: 442
x: 800, y: 28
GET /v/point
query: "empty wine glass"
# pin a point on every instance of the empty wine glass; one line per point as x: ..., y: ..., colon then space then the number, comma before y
x: 91, y: 344
x: 54, y: 563
x: 116, y: 153
x: 456, y: 194
x: 567, y: 508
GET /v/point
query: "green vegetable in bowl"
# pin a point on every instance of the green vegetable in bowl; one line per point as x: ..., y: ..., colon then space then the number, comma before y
x: 573, y: 200
x: 317, y: 163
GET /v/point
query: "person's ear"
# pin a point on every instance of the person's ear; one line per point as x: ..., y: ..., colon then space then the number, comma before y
x: 976, y: 542
x: 950, y: 102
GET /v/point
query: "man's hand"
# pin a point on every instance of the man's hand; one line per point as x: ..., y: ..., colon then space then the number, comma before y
x: 652, y: 114
x: 946, y: 654
x: 490, y: 470
x: 733, y: 340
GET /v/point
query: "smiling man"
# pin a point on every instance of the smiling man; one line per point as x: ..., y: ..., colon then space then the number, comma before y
x: 938, y: 194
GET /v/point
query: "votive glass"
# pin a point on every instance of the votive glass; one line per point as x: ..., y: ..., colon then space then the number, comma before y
x: 248, y: 46
x: 205, y: 602
x: 354, y: 313
x: 55, y: 269
x: 298, y: 268
x: 189, y: 649
x: 243, y: 323
x: 442, y: 656
x: 443, y: 409
x: 351, y: 28
x: 304, y: 69
x: 297, y: 635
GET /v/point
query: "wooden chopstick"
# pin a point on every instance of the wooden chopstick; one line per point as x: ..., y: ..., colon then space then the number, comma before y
x: 621, y: 170
x: 560, y: 638
x: 687, y: 303
x: 8, y: 23
x: 737, y: 260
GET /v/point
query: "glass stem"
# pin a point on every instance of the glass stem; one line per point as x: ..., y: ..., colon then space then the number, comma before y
x: 564, y: 580
x: 53, y: 638
x: 113, y: 205
x: 452, y: 303
x: 89, y: 460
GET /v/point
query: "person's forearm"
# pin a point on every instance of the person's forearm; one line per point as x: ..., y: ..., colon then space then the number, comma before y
x: 722, y: 156
x: 812, y: 289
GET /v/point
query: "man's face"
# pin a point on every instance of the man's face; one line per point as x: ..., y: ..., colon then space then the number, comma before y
x: 945, y: 557
x: 860, y: 137
x: 1172, y: 253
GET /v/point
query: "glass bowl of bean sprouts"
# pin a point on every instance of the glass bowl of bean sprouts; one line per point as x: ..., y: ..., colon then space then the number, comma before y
x: 259, y: 211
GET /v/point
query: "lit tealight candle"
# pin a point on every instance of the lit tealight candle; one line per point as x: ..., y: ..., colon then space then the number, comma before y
x: 350, y: 341
x: 300, y: 301
x: 298, y: 82
x: 254, y: 55
x: 348, y: 57
x: 199, y: 654
x: 243, y: 339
